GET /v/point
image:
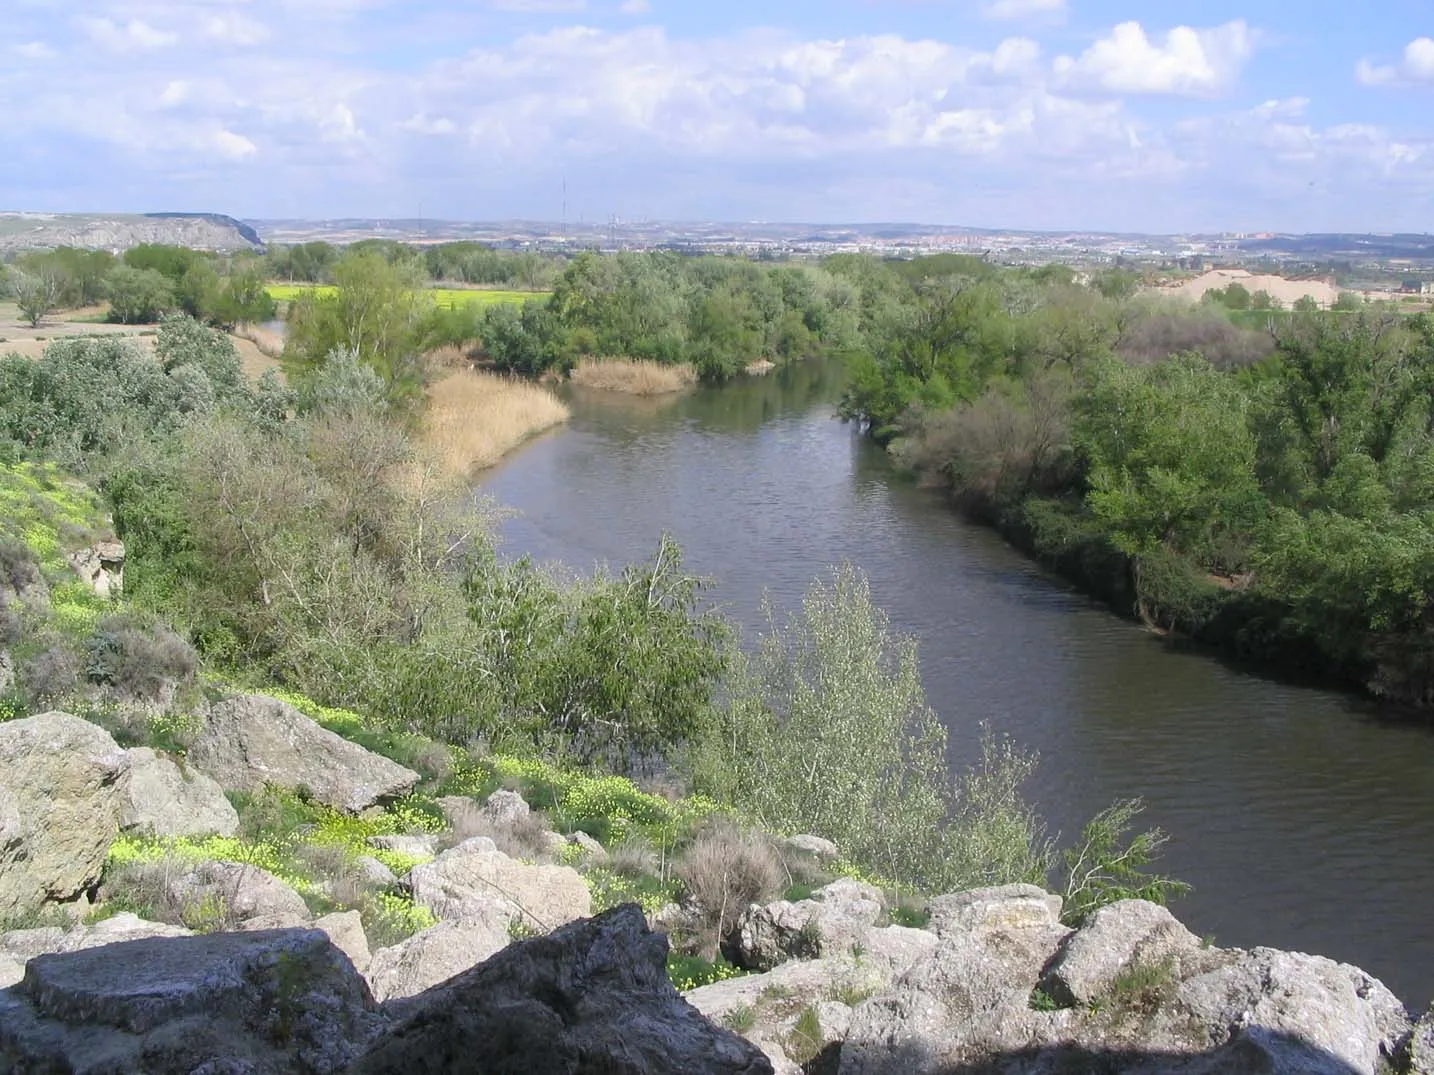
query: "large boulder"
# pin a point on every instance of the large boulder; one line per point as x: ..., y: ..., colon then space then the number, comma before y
x: 435, y: 955
x: 20, y: 946
x: 100, y: 567
x: 592, y: 997
x: 258, y: 1003
x: 1116, y: 940
x: 60, y: 782
x: 226, y: 895
x: 836, y: 918
x: 1002, y: 908
x: 474, y: 880
x: 252, y: 740
x: 345, y: 930
x: 160, y: 799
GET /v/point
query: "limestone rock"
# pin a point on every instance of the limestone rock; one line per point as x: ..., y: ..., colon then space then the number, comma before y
x: 1116, y: 938
x: 26, y: 944
x: 590, y: 847
x: 235, y: 896
x: 373, y: 872
x: 1004, y: 907
x: 506, y: 808
x: 435, y: 955
x: 345, y: 930
x: 473, y: 880
x: 812, y: 846
x: 59, y: 805
x: 258, y: 1003
x: 833, y: 920
x: 420, y: 846
x: 7, y: 667
x: 11, y: 971
x: 161, y: 800
x: 252, y: 740
x: 101, y: 567
x: 1421, y: 1045
x: 592, y: 997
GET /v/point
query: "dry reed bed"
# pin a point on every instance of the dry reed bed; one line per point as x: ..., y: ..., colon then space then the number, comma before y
x: 475, y: 418
x: 637, y: 377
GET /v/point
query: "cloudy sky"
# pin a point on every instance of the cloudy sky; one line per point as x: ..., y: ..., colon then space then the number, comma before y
x: 1154, y: 116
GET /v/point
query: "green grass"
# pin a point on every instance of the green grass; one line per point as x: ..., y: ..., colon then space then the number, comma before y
x: 445, y: 298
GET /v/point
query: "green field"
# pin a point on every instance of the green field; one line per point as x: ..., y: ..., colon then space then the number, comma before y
x: 446, y: 297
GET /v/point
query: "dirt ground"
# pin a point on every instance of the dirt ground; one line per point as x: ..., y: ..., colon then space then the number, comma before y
x: 17, y: 337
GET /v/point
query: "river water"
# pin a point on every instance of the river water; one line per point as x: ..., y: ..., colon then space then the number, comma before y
x: 1303, y: 820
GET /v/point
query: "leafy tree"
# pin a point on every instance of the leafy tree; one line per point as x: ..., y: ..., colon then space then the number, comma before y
x: 1107, y: 863
x: 138, y: 296
x: 827, y: 730
x: 1170, y: 457
x: 36, y: 294
x: 377, y: 312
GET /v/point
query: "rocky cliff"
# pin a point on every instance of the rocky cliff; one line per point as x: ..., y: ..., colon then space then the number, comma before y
x: 118, y: 232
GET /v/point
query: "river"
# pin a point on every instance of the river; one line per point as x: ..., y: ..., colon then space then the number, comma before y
x: 1302, y: 819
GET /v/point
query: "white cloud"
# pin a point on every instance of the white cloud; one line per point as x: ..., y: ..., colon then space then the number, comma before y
x: 133, y: 36
x: 234, y: 28
x: 422, y: 124
x: 1023, y: 9
x: 1416, y: 65
x: 1186, y: 62
x: 175, y: 92
x: 228, y: 144
x: 33, y: 50
x: 635, y: 7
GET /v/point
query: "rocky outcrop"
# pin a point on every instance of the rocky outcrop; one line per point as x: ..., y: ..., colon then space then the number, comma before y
x: 835, y: 919
x: 253, y: 740
x: 435, y: 955
x: 1000, y: 985
x: 60, y: 783
x: 100, y: 567
x: 475, y: 881
x: 345, y: 930
x: 160, y: 799
x: 18, y: 947
x: 231, y: 895
x: 592, y: 997
x: 259, y: 1003
x: 117, y: 232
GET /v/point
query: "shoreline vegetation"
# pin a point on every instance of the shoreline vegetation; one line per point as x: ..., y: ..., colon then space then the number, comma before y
x: 475, y: 418
x: 635, y: 377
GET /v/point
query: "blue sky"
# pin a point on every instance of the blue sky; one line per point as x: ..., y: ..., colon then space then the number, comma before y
x: 1239, y: 115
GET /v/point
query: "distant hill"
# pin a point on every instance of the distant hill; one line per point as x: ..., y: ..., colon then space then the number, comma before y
x: 117, y: 232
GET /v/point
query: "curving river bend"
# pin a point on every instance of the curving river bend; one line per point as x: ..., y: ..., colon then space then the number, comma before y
x: 1303, y: 820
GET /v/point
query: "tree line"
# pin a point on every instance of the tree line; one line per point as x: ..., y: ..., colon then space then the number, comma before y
x: 1268, y: 491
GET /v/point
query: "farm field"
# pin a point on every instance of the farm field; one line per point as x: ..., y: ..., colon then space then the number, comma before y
x: 446, y: 297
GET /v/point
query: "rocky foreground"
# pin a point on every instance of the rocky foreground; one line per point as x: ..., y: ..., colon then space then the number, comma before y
x: 515, y: 975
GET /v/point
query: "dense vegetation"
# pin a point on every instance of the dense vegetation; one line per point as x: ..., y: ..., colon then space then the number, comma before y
x: 299, y: 539
x: 1266, y: 491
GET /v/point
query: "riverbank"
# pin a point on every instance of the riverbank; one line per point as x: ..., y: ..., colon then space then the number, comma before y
x: 474, y: 418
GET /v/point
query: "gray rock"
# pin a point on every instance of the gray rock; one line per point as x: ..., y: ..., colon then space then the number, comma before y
x: 252, y: 740
x: 1114, y: 940
x: 59, y: 806
x: 161, y: 800
x: 506, y: 808
x: 591, y: 848
x: 423, y: 846
x: 11, y: 971
x: 812, y: 846
x: 26, y: 944
x: 592, y: 997
x: 100, y: 567
x: 835, y: 919
x: 435, y: 955
x: 345, y: 930
x: 262, y: 1003
x: 1005, y: 907
x: 1421, y: 1045
x: 7, y: 667
x: 235, y: 895
x: 473, y: 880
x: 373, y: 872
